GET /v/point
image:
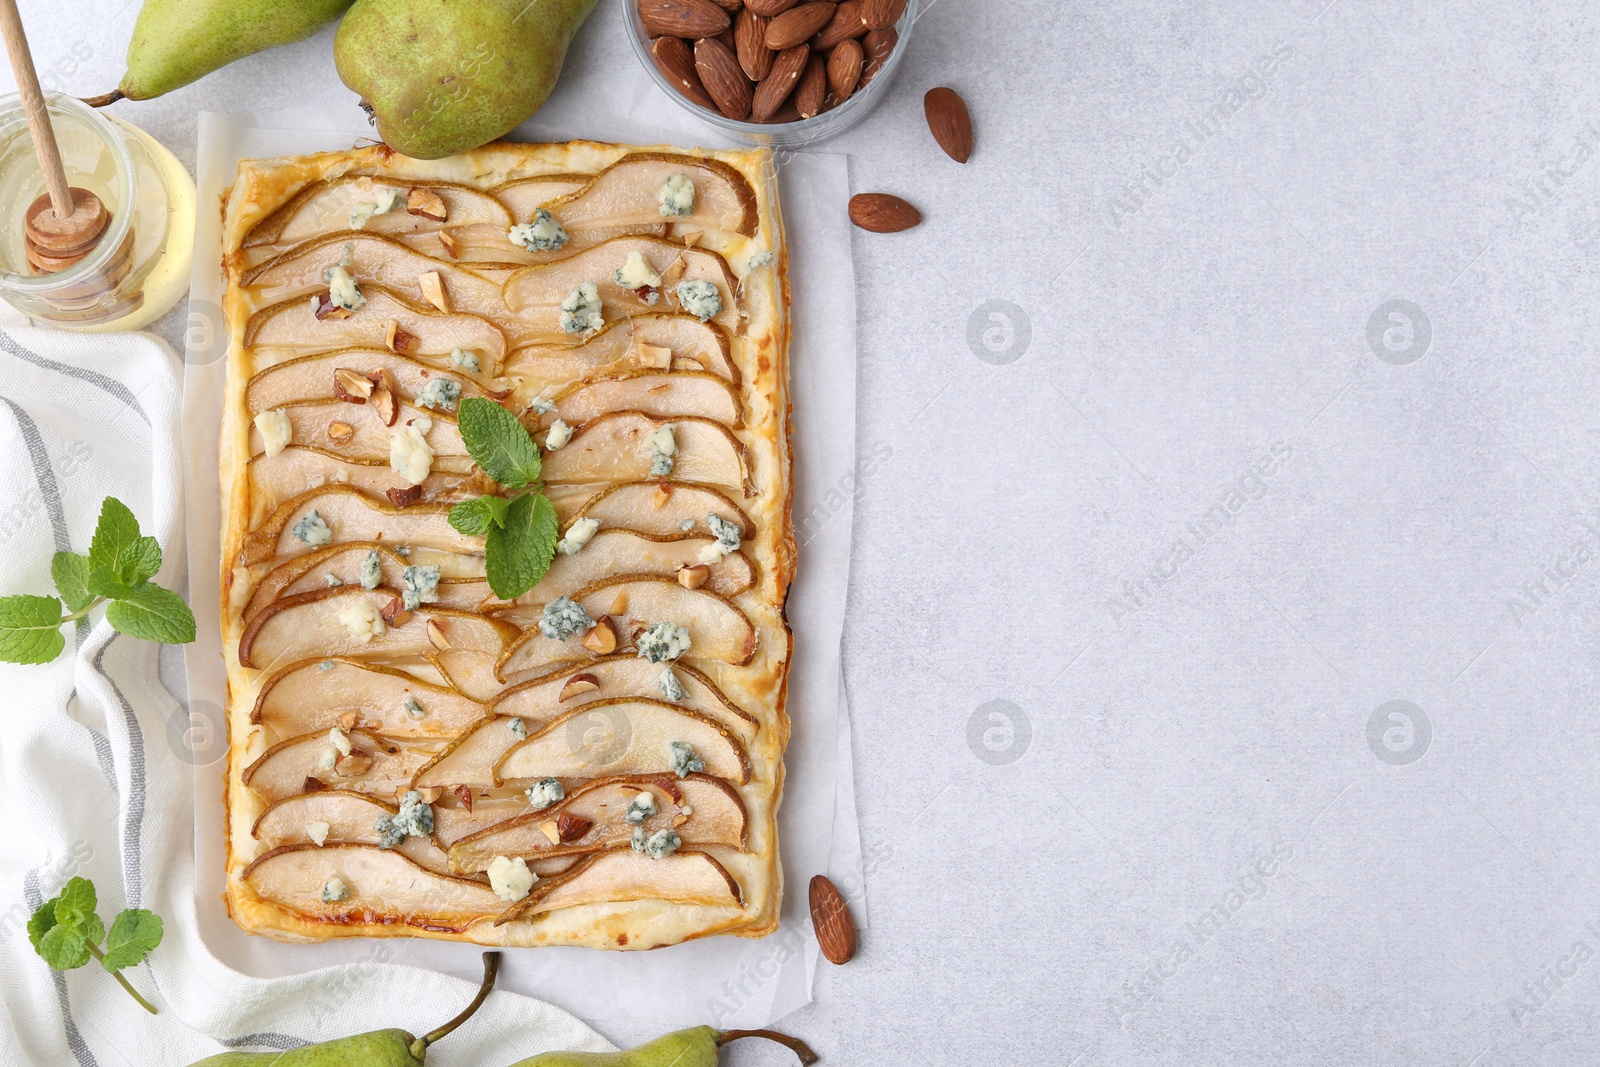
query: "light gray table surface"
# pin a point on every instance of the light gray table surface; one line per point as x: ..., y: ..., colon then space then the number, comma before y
x: 1241, y: 387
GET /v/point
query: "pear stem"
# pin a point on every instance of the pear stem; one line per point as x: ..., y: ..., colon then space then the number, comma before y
x: 104, y: 99
x: 794, y: 1044
x: 491, y: 967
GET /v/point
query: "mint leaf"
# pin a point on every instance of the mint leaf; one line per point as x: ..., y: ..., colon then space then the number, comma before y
x: 93, y: 930
x: 41, y: 922
x: 475, y: 517
x: 71, y: 574
x: 76, y: 902
x: 144, y: 559
x: 30, y: 629
x: 134, y: 933
x: 498, y: 442
x: 519, y: 554
x: 64, y: 948
x: 114, y: 549
x: 150, y: 612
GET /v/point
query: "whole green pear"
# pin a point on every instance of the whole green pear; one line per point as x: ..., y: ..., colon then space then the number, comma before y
x: 177, y: 41
x: 695, y: 1047
x: 443, y: 76
x: 380, y: 1048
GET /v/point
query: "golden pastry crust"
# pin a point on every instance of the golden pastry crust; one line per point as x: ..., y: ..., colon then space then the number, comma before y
x: 759, y: 353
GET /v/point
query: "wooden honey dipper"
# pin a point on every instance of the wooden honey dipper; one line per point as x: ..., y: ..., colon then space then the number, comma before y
x: 64, y: 225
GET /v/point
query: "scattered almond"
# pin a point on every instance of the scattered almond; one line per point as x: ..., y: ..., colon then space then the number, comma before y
x: 450, y: 243
x: 619, y: 603
x: 312, y: 785
x: 662, y: 494
x: 431, y: 794
x: 798, y: 24
x: 692, y: 238
x: 685, y: 363
x: 601, y: 638
x: 950, y: 122
x: 341, y: 433
x: 812, y: 92
x: 403, y: 496
x: 347, y: 721
x: 351, y: 386
x: 384, y: 404
x: 881, y: 14
x: 770, y: 7
x: 779, y: 82
x: 675, y: 59
x: 398, y: 340
x: 654, y: 356
x: 352, y: 766
x: 436, y: 635
x: 464, y: 795
x: 570, y: 827
x: 693, y: 577
x: 394, y: 612
x: 432, y: 287
x: 682, y: 18
x: 722, y: 77
x: 548, y: 828
x: 750, y: 44
x: 844, y: 68
x: 883, y: 213
x: 577, y: 685
x: 427, y: 204
x: 325, y: 308
x: 830, y: 917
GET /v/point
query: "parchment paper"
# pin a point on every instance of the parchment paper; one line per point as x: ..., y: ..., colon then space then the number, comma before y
x: 725, y: 981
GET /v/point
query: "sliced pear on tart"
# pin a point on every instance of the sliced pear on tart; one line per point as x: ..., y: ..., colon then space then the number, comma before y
x: 617, y: 448
x: 383, y: 886
x: 318, y: 694
x: 629, y: 193
x: 523, y: 196
x: 347, y: 514
x: 290, y: 325
x: 660, y: 508
x: 718, y: 629
x: 278, y: 479
x: 703, y: 810
x: 375, y: 259
x: 328, y: 205
x: 534, y: 294
x: 643, y: 342
x: 453, y: 820
x: 375, y: 764
x: 345, y: 563
x: 620, y: 674
x: 339, y: 817
x: 659, y: 394
x: 470, y: 759
x: 349, y: 622
x: 624, y: 735
x: 611, y: 552
x: 311, y: 378
x: 687, y: 876
x: 354, y: 432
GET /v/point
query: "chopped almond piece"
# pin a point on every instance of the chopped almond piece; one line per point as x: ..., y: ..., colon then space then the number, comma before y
x: 452, y: 247
x: 351, y: 386
x: 571, y: 827
x: 394, y: 612
x: 324, y: 308
x: 398, y: 340
x: 353, y: 766
x: 341, y: 433
x: 436, y: 635
x: 663, y: 494
x: 654, y: 356
x: 619, y: 603
x: 693, y: 577
x: 577, y: 685
x: 427, y: 204
x: 431, y: 793
x: 403, y: 496
x: 549, y: 829
x: 602, y: 638
x: 432, y: 287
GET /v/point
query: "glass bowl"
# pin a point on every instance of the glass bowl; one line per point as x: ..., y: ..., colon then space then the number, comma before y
x: 846, y: 116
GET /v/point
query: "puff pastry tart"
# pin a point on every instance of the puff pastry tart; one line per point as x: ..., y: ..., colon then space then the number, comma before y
x: 408, y: 754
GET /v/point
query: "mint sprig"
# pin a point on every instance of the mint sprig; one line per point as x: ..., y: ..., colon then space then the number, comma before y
x: 66, y: 932
x: 519, y: 530
x: 116, y: 572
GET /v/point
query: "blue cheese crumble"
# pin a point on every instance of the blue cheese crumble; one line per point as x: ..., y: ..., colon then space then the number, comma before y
x: 640, y: 808
x: 759, y: 260
x: 540, y: 406
x: 699, y: 299
x: 560, y: 433
x: 332, y: 581
x: 343, y: 290
x: 466, y: 360
x: 580, y: 311
x: 677, y: 196
x: 410, y: 455
x: 334, y: 890
x: 414, y: 819
x: 510, y: 878
x: 276, y: 431
x: 412, y: 708
x: 662, y: 641
x: 371, y: 570
x: 663, y: 452
x: 658, y: 845
x: 637, y: 274
x: 543, y: 233
x: 545, y: 792
x: 671, y: 688
x: 686, y: 525
x: 519, y: 728
x: 439, y: 393
x: 381, y: 204
x: 314, y: 530
x: 564, y: 618
x: 325, y: 665
x: 580, y: 533
x: 729, y: 536
x: 419, y: 584
x: 684, y: 760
